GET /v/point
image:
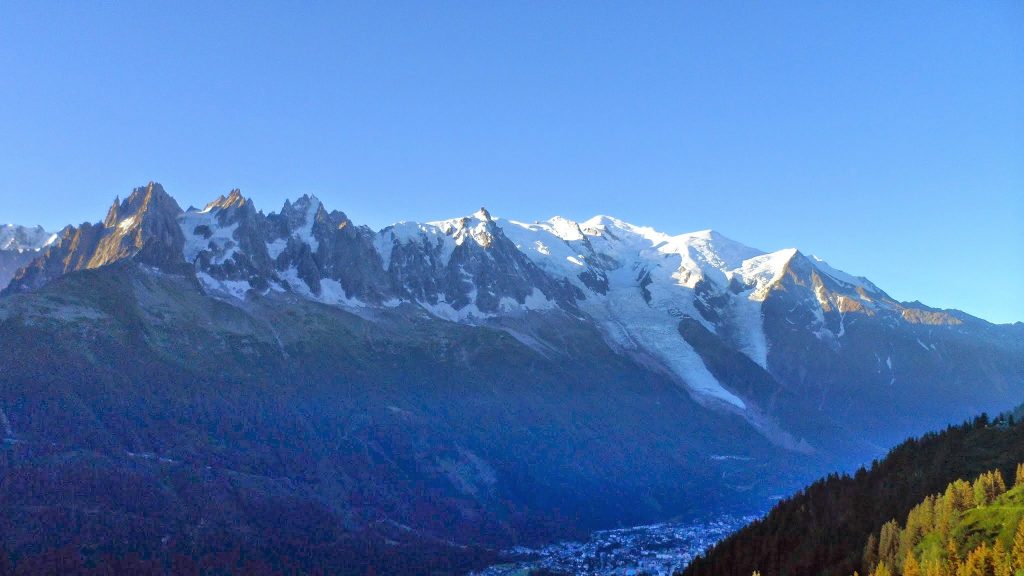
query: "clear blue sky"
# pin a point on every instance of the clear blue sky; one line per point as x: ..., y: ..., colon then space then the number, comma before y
x: 885, y: 137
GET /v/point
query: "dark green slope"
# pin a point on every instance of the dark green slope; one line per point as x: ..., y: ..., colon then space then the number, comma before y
x: 823, y: 528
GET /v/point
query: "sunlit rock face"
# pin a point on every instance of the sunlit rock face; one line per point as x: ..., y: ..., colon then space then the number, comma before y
x: 795, y: 317
x: 143, y: 228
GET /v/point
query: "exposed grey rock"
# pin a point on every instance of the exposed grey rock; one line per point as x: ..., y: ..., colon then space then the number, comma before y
x: 143, y: 227
x: 465, y: 380
x: 833, y: 338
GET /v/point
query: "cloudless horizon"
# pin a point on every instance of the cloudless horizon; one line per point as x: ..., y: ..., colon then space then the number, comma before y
x: 886, y: 139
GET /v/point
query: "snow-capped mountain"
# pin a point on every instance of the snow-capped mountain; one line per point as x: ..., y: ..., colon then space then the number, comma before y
x: 18, y: 246
x: 465, y: 380
x: 23, y: 238
x: 636, y: 285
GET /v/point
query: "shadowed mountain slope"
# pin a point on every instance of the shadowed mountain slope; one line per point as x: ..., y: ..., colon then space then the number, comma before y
x: 473, y: 381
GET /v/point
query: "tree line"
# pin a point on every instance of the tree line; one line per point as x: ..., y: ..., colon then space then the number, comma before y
x: 970, y: 529
x: 824, y: 529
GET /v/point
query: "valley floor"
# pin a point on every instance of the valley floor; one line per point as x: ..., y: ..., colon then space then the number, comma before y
x: 657, y: 550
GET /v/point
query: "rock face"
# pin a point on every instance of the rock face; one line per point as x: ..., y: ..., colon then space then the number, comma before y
x: 469, y: 380
x: 143, y: 228
x: 825, y: 336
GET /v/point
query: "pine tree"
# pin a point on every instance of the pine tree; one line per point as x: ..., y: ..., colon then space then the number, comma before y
x: 1017, y: 552
x: 1019, y: 477
x: 920, y: 521
x: 933, y: 568
x: 882, y: 570
x: 1001, y: 560
x: 999, y: 483
x: 944, y: 512
x: 889, y: 543
x: 978, y: 562
x: 910, y: 565
x: 983, y: 489
x: 959, y: 496
x: 870, y: 558
x: 952, y: 557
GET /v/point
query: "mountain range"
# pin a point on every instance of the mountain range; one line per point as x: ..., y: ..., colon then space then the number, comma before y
x: 472, y: 381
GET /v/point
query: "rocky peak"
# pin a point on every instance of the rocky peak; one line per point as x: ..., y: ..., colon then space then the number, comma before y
x: 151, y: 200
x: 478, y: 227
x: 482, y: 214
x: 303, y: 211
x: 148, y: 202
x: 142, y: 227
x: 233, y: 209
x: 234, y: 199
x: 112, y: 214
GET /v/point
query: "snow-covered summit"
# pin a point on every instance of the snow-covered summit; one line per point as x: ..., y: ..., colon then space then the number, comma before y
x: 20, y: 245
x: 638, y: 286
x: 25, y: 238
x: 478, y: 227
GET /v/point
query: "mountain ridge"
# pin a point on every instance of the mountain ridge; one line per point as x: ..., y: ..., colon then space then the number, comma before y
x: 633, y: 282
x: 475, y: 381
x: 452, y: 226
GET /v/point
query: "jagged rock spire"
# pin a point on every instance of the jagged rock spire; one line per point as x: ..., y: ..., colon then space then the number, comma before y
x: 142, y: 227
x: 112, y: 214
x: 233, y: 199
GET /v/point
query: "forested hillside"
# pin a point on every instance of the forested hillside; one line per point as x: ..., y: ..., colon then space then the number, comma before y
x: 970, y: 529
x: 824, y: 529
